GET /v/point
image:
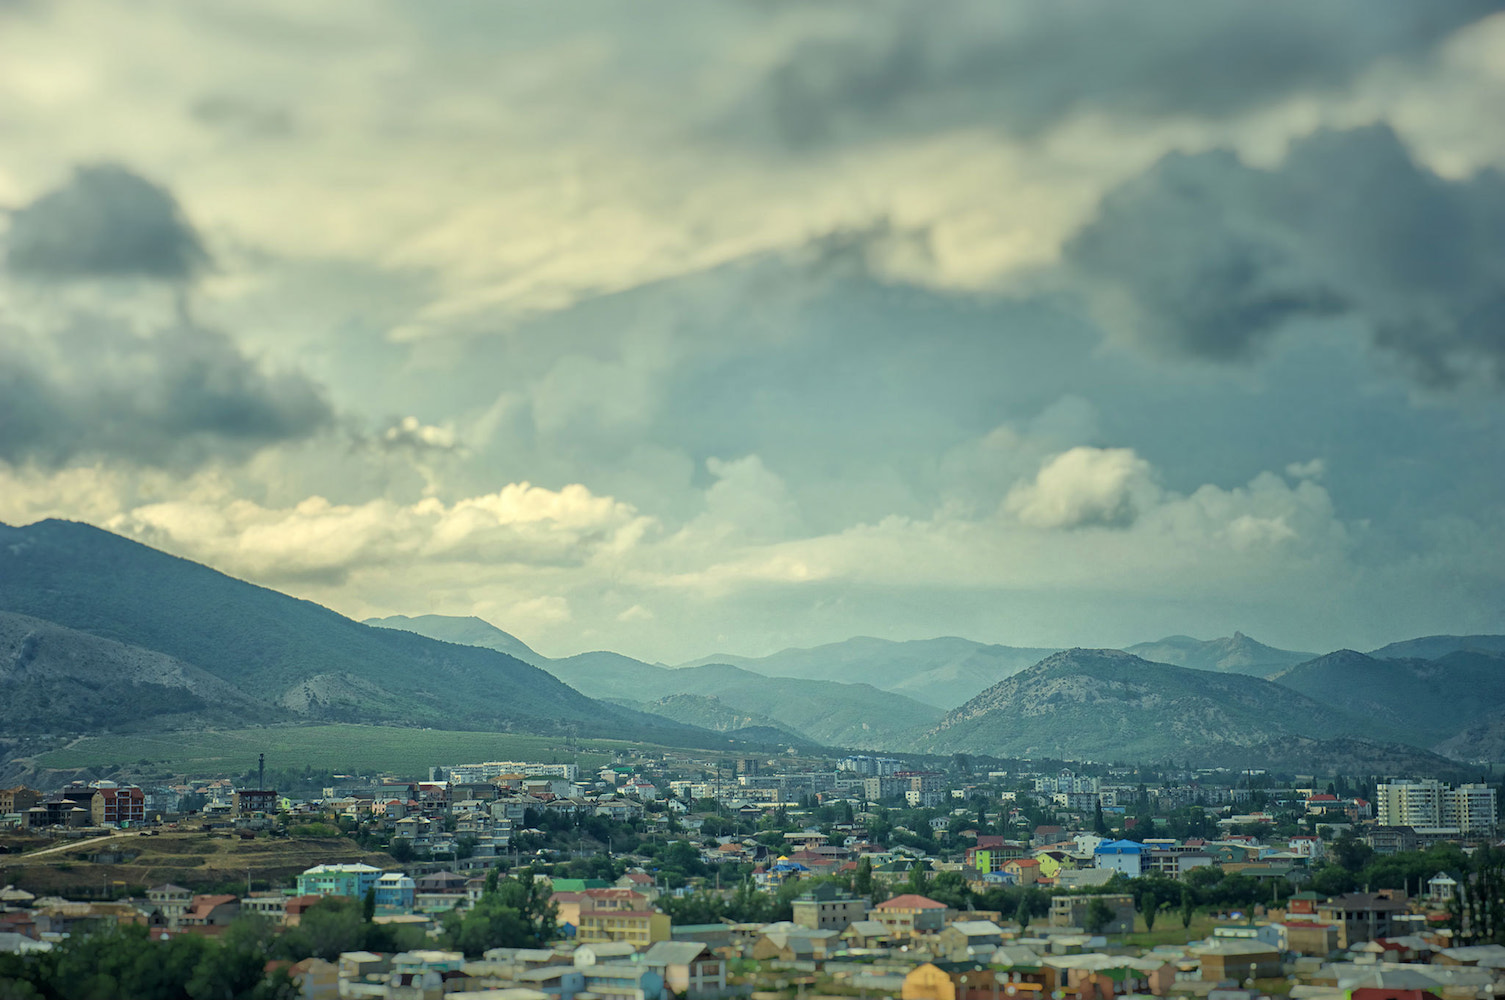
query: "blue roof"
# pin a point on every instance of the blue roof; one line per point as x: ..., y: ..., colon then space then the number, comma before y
x: 1119, y: 847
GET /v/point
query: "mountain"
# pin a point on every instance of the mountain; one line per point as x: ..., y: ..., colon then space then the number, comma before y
x: 283, y: 654
x: 1434, y: 647
x: 709, y: 712
x: 941, y: 672
x: 1416, y: 701
x: 1111, y: 705
x: 462, y: 631
x: 1483, y: 740
x: 827, y: 712
x: 1235, y: 654
x: 52, y: 673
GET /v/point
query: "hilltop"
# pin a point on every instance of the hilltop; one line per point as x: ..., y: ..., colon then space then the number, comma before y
x: 1112, y: 705
x: 1235, y: 654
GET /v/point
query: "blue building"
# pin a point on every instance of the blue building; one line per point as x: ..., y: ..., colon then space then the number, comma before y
x: 395, y: 893
x: 338, y: 880
x: 1124, y: 856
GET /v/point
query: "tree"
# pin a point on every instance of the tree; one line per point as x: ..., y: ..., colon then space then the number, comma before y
x: 1099, y: 824
x: 1099, y: 915
x: 1188, y: 908
x: 368, y: 905
x: 1148, y: 904
x: 1022, y: 914
x: 919, y: 877
x: 862, y: 882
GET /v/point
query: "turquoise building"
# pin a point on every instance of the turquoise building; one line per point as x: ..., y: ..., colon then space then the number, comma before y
x: 338, y: 880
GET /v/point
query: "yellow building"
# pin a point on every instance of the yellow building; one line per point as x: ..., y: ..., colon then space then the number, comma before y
x: 636, y: 927
x: 954, y: 981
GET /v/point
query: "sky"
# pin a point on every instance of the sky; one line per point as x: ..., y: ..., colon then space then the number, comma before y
x: 682, y: 328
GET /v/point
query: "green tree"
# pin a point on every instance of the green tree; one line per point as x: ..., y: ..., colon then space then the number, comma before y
x: 1188, y: 907
x: 1099, y: 915
x: 368, y: 905
x: 1148, y: 905
x: 1022, y: 914
x: 919, y: 877
x: 862, y: 882
x: 1099, y: 824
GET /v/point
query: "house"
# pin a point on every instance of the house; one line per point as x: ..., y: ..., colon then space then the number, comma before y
x: 338, y: 880
x: 1360, y: 916
x: 637, y: 927
x: 688, y: 968
x: 910, y: 915
x: 827, y: 908
x: 117, y: 804
x: 785, y: 942
x: 1123, y: 856
x: 1026, y: 871
x: 950, y: 981
x: 969, y: 940
x: 210, y: 911
x: 1230, y: 958
x: 866, y: 934
x: 172, y: 901
x: 623, y: 981
x: 395, y: 893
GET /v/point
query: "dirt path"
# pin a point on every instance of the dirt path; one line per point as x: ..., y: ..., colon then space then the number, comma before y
x: 69, y: 846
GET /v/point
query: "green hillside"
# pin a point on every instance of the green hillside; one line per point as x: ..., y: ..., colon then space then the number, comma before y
x: 1418, y: 701
x: 287, y: 654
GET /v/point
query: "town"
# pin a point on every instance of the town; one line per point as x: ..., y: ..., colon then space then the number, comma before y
x: 675, y: 874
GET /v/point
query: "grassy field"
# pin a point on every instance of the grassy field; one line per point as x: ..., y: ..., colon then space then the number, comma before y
x: 193, y: 860
x: 359, y: 749
x: 1168, y: 929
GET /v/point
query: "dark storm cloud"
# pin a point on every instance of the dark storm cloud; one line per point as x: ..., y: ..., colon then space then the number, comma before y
x: 106, y: 222
x: 1214, y: 257
x: 178, y: 398
x: 1025, y: 66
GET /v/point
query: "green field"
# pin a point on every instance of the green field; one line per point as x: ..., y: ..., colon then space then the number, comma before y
x: 359, y: 749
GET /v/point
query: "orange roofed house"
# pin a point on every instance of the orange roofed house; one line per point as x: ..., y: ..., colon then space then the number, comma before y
x: 910, y: 915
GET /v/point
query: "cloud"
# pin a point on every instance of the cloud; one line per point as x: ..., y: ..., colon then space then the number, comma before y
x: 316, y: 540
x: 180, y: 396
x: 1206, y: 256
x: 1085, y: 486
x: 888, y: 67
x: 411, y: 434
x: 106, y: 222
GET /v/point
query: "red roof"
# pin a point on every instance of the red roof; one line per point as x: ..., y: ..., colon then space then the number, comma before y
x: 911, y: 901
x: 1323, y: 798
x: 1024, y: 863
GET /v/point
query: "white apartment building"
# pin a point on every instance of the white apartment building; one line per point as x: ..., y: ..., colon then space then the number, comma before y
x: 1430, y: 803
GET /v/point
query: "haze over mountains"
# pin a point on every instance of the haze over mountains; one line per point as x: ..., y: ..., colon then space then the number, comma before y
x: 97, y: 632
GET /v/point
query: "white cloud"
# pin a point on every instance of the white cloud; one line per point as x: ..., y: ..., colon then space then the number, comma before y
x: 1085, y: 486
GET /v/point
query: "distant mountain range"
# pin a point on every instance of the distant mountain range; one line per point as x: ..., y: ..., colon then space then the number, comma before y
x: 98, y: 633
x: 940, y: 672
x: 822, y: 711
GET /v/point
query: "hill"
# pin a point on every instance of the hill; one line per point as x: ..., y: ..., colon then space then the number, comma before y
x: 826, y: 712
x: 1111, y: 705
x: 463, y: 631
x: 285, y: 655
x: 1481, y: 741
x: 1434, y: 647
x: 1235, y: 654
x: 709, y: 712
x: 941, y: 672
x: 54, y: 674
x: 1414, y: 700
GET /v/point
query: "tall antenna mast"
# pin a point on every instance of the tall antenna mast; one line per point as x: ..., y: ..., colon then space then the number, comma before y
x: 261, y: 772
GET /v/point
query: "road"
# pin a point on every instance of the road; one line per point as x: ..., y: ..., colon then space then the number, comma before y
x: 71, y: 845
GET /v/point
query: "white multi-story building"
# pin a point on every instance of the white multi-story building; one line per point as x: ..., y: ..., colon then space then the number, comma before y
x: 1471, y: 808
x: 1410, y: 803
x: 1431, y: 804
